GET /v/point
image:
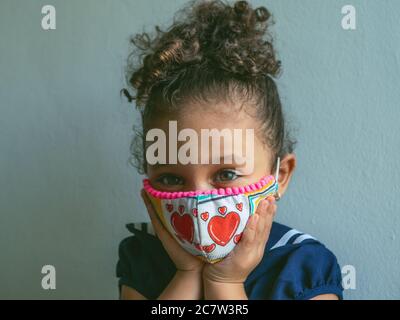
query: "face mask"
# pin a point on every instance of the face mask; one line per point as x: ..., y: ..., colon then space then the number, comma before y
x: 209, y: 224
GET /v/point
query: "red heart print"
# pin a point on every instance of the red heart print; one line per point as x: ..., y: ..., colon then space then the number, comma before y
x: 169, y: 207
x: 239, y: 206
x: 181, y: 209
x: 194, y: 211
x: 204, y: 216
x: 183, y: 225
x: 222, y: 210
x: 222, y: 229
x: 208, y: 249
x: 237, y: 238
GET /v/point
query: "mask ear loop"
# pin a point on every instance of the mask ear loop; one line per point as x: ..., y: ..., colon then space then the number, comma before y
x: 277, y: 194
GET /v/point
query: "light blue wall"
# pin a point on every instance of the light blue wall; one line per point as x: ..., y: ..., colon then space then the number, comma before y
x: 66, y: 187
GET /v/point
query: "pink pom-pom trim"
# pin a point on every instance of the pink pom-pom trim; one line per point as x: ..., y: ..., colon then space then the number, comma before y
x: 269, y: 180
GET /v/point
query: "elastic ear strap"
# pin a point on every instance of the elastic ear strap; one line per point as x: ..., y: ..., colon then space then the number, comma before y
x: 278, y: 163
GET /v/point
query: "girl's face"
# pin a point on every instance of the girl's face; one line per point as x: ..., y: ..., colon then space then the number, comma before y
x: 189, y: 177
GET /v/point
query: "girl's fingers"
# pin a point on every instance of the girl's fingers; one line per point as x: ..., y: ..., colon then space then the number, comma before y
x: 147, y: 203
x: 262, y: 211
x: 158, y: 228
x: 268, y: 220
x: 250, y: 231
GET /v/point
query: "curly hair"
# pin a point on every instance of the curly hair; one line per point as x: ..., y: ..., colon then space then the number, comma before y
x: 212, y: 50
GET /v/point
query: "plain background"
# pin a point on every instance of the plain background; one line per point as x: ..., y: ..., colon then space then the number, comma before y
x: 67, y: 190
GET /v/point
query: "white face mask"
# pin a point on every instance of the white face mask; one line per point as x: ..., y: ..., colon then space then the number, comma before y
x: 209, y: 224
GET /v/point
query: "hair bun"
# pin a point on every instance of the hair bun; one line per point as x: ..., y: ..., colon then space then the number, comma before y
x: 240, y: 7
x: 262, y: 14
x: 213, y: 35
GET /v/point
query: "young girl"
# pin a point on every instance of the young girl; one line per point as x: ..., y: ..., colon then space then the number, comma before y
x: 214, y: 69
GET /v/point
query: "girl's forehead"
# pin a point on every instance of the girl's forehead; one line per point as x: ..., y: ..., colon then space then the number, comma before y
x: 198, y: 117
x: 206, y: 136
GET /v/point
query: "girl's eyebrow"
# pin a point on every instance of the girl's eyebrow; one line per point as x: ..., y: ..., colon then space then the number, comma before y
x: 241, y: 160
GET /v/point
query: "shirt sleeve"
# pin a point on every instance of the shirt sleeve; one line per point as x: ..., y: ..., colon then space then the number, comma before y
x: 310, y: 270
x: 130, y: 269
x: 144, y: 265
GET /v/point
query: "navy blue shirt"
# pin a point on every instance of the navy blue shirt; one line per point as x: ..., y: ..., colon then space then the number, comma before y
x: 294, y: 266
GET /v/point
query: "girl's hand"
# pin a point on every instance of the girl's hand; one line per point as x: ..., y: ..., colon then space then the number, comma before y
x: 248, y: 253
x: 183, y: 260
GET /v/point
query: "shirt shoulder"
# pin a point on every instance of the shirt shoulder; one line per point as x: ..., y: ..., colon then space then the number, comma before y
x: 295, y: 266
x: 285, y: 237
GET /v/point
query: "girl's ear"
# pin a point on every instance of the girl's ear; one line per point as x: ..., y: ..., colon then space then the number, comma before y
x: 285, y: 172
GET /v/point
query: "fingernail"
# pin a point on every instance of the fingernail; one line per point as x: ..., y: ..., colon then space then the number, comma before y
x: 262, y: 206
x: 271, y: 199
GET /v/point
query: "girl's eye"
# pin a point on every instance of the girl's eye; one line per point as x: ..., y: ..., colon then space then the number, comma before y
x: 170, y: 180
x: 226, y: 175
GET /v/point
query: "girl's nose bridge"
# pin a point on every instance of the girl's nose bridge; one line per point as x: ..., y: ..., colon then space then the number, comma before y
x: 198, y: 180
x: 198, y: 184
x: 197, y: 177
